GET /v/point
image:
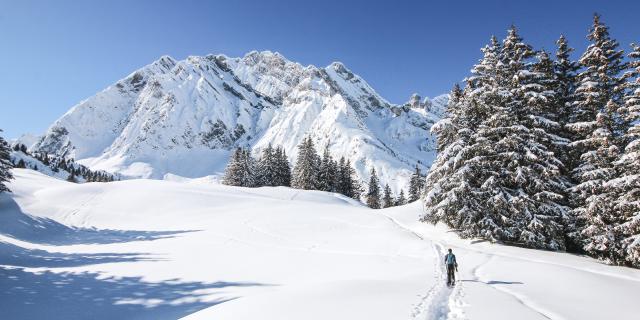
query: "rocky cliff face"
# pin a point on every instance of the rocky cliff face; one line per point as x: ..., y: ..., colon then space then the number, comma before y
x: 183, y: 117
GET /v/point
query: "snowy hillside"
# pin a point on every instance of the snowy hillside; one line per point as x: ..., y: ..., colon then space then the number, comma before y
x: 55, y: 166
x: 183, y: 118
x: 207, y: 251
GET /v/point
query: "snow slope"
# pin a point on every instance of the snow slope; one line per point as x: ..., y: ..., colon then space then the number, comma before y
x: 152, y: 249
x: 183, y: 118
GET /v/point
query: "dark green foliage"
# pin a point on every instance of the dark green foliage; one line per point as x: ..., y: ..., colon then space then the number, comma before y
x: 373, y: 192
x: 5, y: 165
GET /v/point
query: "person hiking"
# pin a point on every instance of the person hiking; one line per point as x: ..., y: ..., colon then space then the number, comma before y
x: 452, y: 264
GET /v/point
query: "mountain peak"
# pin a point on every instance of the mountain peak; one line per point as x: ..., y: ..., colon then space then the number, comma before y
x: 184, y: 117
x: 165, y: 61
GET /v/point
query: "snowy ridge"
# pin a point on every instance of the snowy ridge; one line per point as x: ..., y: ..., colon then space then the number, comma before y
x: 58, y: 167
x: 183, y: 118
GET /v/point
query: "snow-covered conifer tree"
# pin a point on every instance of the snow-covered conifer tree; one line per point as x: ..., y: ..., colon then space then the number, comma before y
x: 498, y: 178
x: 626, y: 186
x: 267, y: 169
x: 72, y: 178
x: 5, y: 164
x: 451, y: 194
x: 327, y: 174
x: 249, y: 166
x: 401, y: 199
x: 565, y: 73
x: 373, y: 192
x: 240, y: 170
x: 232, y: 171
x: 387, y: 198
x: 283, y: 176
x: 597, y: 127
x: 416, y: 185
x: 305, y: 172
x: 353, y: 185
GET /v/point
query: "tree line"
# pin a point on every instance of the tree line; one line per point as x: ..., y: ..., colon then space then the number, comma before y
x: 377, y: 198
x: 542, y: 151
x: 310, y: 172
x: 313, y: 171
x: 75, y: 171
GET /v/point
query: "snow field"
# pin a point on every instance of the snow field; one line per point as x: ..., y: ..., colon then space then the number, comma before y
x: 149, y: 249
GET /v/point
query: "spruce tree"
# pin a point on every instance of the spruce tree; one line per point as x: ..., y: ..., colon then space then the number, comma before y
x: 340, y: 177
x: 452, y: 179
x: 387, y: 199
x: 597, y: 127
x: 305, y: 171
x: 5, y: 164
x: 267, y: 169
x: 241, y: 169
x: 346, y: 180
x: 373, y: 193
x: 498, y: 177
x: 249, y: 172
x: 565, y: 72
x: 21, y: 164
x: 327, y: 174
x: 72, y: 178
x: 352, y: 187
x: 416, y: 185
x: 232, y: 173
x: 625, y: 188
x: 401, y: 200
x: 283, y: 169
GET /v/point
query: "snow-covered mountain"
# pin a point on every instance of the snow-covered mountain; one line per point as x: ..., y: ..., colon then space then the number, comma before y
x: 183, y: 118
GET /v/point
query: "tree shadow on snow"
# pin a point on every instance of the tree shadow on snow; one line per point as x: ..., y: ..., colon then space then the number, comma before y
x: 19, y: 225
x: 490, y: 282
x: 51, y: 295
x: 13, y: 255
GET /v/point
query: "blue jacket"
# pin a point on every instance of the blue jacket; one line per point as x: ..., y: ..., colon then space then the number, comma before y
x: 450, y: 259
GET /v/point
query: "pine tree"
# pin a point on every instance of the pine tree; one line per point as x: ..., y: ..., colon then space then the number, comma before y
x: 305, y: 172
x: 283, y: 169
x: 416, y: 185
x: 21, y: 164
x: 72, y: 178
x: 401, y: 200
x: 267, y: 169
x: 241, y: 169
x: 5, y: 164
x: 625, y: 188
x: 387, y: 199
x: 327, y: 174
x: 249, y: 172
x: 348, y: 183
x: 597, y: 126
x: 232, y: 173
x: 498, y: 177
x: 373, y: 193
x: 340, y: 177
x: 452, y: 179
x: 565, y: 72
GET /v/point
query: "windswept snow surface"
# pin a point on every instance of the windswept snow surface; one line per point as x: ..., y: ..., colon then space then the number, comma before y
x: 153, y: 249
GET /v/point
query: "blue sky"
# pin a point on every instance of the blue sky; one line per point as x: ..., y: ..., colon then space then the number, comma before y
x: 57, y: 53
